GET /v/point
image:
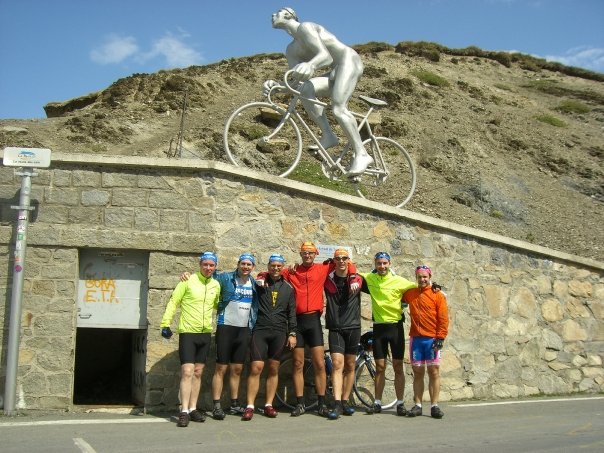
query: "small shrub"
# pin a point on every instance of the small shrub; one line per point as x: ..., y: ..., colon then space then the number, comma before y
x: 311, y: 173
x: 430, y: 78
x: 374, y: 72
x: 551, y: 120
x: 496, y: 214
x: 404, y: 85
x: 253, y: 132
x: 429, y: 50
x: 573, y: 107
x: 503, y: 87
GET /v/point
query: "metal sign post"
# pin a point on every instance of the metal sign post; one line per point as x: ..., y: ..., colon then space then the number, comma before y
x: 26, y: 158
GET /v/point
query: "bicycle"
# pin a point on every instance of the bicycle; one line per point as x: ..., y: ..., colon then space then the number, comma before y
x: 363, y: 388
x: 265, y: 136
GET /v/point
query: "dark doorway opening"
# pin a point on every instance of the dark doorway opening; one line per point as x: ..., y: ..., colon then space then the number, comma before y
x: 103, y: 367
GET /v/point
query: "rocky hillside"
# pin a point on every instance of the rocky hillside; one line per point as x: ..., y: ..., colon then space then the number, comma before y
x: 504, y: 143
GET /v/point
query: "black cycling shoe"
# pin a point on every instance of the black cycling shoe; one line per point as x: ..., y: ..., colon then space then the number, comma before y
x: 375, y: 409
x: 401, y: 409
x: 236, y: 410
x: 298, y: 410
x: 347, y: 409
x: 218, y: 413
x: 323, y: 411
x: 436, y: 412
x: 183, y: 420
x: 197, y: 416
x: 335, y: 413
x: 415, y: 411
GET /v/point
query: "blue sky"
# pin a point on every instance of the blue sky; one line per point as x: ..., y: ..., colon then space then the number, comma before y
x: 55, y: 50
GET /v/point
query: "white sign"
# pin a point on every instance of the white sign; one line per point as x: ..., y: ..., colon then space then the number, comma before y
x: 26, y: 157
x: 327, y: 251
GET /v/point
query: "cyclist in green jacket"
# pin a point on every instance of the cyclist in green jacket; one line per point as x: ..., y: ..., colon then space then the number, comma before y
x: 197, y: 298
x: 386, y: 290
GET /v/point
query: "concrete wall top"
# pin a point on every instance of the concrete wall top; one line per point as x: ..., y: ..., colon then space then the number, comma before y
x: 230, y: 171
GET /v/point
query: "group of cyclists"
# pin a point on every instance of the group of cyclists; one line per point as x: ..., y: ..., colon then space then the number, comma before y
x: 281, y: 309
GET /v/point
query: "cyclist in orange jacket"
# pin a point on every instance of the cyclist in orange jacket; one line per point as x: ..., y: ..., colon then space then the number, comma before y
x: 429, y: 328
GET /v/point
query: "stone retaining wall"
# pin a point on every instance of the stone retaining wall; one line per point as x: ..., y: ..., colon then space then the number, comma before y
x: 525, y: 320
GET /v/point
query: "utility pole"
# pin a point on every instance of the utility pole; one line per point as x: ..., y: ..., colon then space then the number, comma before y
x: 182, y: 122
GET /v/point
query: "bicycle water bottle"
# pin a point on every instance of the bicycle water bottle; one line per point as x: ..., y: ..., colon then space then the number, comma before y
x: 328, y: 364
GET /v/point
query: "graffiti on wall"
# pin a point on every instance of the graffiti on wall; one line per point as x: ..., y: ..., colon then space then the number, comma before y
x: 100, y: 290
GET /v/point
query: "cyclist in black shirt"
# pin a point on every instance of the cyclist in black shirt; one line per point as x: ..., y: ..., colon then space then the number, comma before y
x: 275, y: 329
x: 343, y: 319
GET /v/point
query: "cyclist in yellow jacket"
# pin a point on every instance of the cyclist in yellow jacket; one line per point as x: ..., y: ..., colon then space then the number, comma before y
x: 386, y: 290
x: 197, y: 298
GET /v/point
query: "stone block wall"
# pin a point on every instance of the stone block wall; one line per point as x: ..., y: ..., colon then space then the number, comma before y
x: 525, y: 320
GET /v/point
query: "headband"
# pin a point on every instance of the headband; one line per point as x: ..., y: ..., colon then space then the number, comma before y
x: 208, y: 256
x: 341, y: 252
x: 276, y: 257
x: 380, y: 255
x: 247, y: 256
x: 308, y: 247
x: 423, y: 267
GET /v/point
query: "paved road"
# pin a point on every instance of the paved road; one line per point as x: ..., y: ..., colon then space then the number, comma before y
x: 536, y: 425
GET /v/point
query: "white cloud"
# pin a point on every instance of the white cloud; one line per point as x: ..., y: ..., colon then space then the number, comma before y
x: 175, y: 51
x: 171, y: 49
x: 591, y: 58
x: 115, y: 50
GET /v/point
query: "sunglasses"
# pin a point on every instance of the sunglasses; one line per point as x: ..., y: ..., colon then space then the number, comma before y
x: 341, y: 258
x: 307, y: 253
x: 423, y: 266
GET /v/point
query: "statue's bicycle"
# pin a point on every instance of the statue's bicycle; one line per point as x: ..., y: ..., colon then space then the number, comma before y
x: 266, y: 136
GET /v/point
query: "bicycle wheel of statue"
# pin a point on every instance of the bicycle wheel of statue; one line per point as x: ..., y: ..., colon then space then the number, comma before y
x: 391, y: 178
x: 256, y: 137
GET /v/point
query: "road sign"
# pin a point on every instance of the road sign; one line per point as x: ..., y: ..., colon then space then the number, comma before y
x: 26, y: 157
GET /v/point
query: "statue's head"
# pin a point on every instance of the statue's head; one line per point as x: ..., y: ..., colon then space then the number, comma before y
x: 292, y: 14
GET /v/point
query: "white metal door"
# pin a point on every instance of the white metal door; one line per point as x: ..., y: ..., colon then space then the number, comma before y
x: 113, y: 289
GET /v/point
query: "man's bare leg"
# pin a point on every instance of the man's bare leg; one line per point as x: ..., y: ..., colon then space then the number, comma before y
x: 319, y: 86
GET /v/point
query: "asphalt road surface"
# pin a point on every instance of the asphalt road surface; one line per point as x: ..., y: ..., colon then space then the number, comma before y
x: 535, y: 425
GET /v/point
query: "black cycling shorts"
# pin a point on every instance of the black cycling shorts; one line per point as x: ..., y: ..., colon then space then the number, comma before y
x: 344, y: 341
x: 194, y: 347
x: 231, y: 344
x: 389, y: 335
x: 310, y: 332
x: 267, y: 344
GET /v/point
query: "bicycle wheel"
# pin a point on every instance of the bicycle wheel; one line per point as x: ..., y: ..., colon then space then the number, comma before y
x: 364, y: 384
x: 285, y: 389
x: 253, y: 139
x: 391, y: 178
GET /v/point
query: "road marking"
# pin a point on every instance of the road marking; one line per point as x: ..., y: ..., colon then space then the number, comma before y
x: 84, y: 422
x: 83, y: 445
x: 503, y: 403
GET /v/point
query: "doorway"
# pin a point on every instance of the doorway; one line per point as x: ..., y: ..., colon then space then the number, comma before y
x: 111, y: 334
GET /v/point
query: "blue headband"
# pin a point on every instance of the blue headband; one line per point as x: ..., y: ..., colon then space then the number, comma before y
x: 276, y: 257
x: 380, y: 255
x: 208, y: 256
x: 248, y: 257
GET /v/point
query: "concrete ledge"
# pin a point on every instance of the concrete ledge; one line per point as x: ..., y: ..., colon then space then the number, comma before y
x: 240, y: 173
